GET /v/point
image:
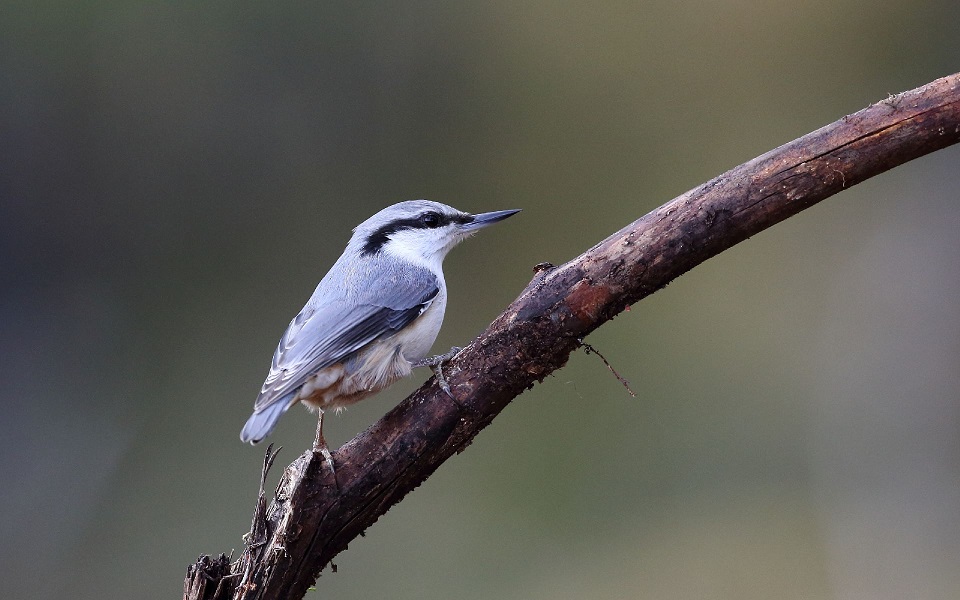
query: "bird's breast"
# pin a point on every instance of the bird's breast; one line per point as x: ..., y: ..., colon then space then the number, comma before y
x: 416, y: 339
x: 377, y: 365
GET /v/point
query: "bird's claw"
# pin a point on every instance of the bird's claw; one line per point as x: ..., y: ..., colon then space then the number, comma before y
x: 441, y: 380
x: 327, y: 456
x: 436, y: 365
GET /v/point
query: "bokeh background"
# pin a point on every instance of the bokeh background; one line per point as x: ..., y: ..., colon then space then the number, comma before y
x: 177, y: 176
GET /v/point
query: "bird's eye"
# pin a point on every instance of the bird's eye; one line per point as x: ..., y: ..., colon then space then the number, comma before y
x: 430, y: 219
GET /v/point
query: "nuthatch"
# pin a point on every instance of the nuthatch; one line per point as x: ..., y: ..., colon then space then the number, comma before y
x: 372, y: 318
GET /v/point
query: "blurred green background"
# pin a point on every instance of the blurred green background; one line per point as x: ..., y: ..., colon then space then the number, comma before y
x: 176, y: 177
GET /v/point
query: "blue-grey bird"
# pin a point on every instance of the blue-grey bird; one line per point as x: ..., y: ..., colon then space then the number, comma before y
x: 372, y: 318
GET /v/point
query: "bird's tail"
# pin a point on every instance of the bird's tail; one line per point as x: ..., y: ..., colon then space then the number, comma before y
x: 262, y: 422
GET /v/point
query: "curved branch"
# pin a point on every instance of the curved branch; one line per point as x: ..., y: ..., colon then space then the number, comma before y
x: 312, y: 518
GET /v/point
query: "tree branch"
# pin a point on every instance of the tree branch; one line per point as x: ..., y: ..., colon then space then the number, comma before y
x: 312, y: 518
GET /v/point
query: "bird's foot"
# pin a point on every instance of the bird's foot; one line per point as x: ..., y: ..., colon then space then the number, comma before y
x: 320, y: 445
x: 327, y: 456
x: 436, y: 365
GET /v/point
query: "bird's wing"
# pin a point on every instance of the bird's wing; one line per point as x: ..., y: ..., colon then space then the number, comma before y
x: 319, y: 338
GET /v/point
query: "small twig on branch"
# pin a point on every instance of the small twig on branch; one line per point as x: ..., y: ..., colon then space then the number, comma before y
x: 310, y: 521
x: 587, y: 348
x: 258, y: 537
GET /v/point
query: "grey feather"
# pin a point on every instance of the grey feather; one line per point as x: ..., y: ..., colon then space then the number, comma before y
x: 352, y: 316
x: 261, y: 423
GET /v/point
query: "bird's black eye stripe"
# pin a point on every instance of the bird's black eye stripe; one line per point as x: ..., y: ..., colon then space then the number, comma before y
x: 430, y: 219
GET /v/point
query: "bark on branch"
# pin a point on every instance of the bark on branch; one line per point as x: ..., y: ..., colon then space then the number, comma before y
x: 312, y: 518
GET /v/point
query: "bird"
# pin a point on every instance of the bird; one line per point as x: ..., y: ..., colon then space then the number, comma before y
x: 373, y: 317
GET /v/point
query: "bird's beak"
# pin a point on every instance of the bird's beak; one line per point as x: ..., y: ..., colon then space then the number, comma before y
x: 483, y: 219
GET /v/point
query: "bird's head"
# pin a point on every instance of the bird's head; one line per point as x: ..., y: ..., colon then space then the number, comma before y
x: 420, y: 231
